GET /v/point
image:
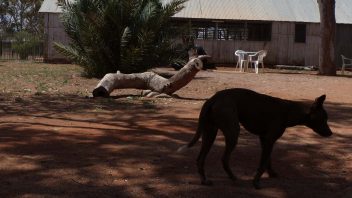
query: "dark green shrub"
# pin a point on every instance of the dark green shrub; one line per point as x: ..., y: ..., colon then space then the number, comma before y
x: 125, y: 35
x: 24, y: 44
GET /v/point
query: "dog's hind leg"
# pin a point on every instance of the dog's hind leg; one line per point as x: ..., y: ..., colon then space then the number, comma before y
x: 231, y: 132
x: 208, y: 137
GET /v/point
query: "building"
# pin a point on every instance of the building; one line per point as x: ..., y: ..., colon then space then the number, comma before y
x: 288, y: 29
x: 53, y: 31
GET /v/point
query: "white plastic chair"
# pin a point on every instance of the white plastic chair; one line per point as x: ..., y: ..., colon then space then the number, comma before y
x: 345, y: 62
x: 257, y: 58
x: 241, y: 62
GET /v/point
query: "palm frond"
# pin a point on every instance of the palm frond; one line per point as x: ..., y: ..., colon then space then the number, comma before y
x: 71, y: 53
x: 173, y: 7
x: 125, y: 35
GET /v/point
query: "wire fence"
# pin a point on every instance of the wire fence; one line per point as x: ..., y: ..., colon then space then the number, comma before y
x: 12, y: 49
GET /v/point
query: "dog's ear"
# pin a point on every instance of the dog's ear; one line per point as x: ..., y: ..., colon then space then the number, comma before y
x: 319, y: 101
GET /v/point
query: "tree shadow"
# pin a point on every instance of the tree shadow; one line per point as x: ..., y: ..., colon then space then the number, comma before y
x: 339, y: 113
x: 313, y: 73
x: 191, y: 99
x: 78, y: 147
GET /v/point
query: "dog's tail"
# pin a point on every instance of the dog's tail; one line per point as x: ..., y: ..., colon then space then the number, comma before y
x: 192, y: 142
x: 201, y: 123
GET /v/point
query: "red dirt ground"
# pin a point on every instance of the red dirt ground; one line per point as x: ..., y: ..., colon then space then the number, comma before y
x: 124, y: 146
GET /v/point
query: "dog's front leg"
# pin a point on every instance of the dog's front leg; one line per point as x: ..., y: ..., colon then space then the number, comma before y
x: 267, y: 147
x: 269, y: 169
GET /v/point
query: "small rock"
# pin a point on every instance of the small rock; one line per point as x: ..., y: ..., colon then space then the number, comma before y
x: 163, y: 96
x: 18, y: 99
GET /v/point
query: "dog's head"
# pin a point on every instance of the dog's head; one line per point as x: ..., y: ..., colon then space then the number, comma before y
x: 318, y: 118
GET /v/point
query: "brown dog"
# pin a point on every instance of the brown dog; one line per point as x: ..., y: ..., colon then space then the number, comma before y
x: 260, y: 114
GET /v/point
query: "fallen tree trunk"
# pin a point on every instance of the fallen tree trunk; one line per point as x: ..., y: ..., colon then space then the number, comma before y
x: 152, y: 83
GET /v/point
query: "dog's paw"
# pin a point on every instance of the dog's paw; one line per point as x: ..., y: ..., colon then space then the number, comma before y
x: 233, y: 177
x: 206, y: 182
x: 272, y: 174
x: 256, y: 185
x: 182, y: 149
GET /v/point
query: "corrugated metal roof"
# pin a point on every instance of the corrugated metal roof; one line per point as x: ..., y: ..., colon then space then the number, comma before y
x: 344, y: 11
x: 263, y: 10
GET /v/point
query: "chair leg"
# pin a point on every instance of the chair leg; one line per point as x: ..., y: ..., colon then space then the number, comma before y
x: 256, y: 67
x: 241, y: 65
x: 343, y: 69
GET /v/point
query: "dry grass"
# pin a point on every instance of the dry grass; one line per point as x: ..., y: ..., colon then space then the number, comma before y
x: 23, y: 78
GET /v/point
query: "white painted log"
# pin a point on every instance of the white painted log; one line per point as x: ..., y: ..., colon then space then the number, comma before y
x: 149, y: 80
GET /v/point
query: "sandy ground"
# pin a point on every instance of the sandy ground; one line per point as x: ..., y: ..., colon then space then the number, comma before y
x: 69, y: 145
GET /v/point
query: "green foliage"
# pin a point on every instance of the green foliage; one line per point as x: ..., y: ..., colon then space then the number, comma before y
x: 20, y: 15
x: 25, y: 43
x: 125, y: 35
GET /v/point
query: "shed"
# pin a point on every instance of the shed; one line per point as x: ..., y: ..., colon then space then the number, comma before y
x: 53, y: 31
x: 288, y: 29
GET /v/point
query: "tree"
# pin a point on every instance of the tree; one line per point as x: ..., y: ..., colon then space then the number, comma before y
x: 126, y: 35
x: 327, y: 34
x: 19, y: 15
x: 25, y: 44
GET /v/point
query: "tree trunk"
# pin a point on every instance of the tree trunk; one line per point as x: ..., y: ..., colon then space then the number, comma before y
x: 152, y: 83
x: 327, y: 33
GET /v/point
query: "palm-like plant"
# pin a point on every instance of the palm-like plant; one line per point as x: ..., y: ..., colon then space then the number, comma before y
x: 126, y: 35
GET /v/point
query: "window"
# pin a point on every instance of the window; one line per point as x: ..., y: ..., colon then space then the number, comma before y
x: 222, y: 33
x: 232, y: 31
x: 199, y: 33
x: 204, y: 30
x: 300, y: 33
x: 210, y: 33
x: 259, y: 31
